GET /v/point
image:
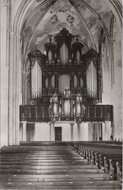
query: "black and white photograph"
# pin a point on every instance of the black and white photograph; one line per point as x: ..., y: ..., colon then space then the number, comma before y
x: 61, y: 94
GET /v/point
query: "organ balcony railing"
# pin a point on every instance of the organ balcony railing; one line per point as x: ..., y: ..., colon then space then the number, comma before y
x: 62, y: 112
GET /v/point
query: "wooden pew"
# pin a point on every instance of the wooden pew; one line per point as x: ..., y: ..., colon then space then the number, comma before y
x: 106, y: 156
x: 52, y: 167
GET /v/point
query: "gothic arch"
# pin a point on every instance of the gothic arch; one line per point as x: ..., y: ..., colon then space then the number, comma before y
x: 15, y: 57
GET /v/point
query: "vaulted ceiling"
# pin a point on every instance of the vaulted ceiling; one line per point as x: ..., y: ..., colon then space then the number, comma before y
x: 85, y: 18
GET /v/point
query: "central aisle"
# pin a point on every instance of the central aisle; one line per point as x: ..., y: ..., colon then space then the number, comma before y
x: 49, y: 166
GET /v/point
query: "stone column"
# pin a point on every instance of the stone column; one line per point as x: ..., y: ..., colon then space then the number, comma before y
x: 50, y: 131
x: 72, y: 124
x: 4, y: 48
x: 21, y: 132
x: 112, y: 130
x: 24, y: 131
x: 52, y: 134
x: 14, y: 89
x: 78, y: 126
x: 103, y: 130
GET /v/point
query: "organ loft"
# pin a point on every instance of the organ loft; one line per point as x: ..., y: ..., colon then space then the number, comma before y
x: 65, y: 93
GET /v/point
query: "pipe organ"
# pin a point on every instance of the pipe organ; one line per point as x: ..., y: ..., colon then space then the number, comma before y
x: 64, y: 82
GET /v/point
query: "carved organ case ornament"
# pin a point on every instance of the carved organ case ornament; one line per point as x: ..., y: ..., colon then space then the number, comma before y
x: 50, y: 51
x: 77, y: 50
x: 63, y: 41
x: 36, y: 60
x: 64, y: 69
x: 92, y: 74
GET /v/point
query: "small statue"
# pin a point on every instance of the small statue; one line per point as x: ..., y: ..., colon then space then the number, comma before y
x: 66, y: 92
x: 79, y: 98
x: 55, y: 97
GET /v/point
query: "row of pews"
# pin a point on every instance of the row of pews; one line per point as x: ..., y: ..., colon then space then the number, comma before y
x: 59, y: 166
x: 106, y: 155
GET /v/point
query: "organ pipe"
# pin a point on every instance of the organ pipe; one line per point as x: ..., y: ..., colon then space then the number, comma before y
x: 64, y: 54
x: 91, y: 78
x: 36, y: 81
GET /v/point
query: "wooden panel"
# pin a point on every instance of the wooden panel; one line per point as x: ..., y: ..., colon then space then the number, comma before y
x: 40, y: 113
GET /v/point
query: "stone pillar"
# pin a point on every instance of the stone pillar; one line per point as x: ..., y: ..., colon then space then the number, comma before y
x: 4, y: 48
x: 78, y: 126
x: 72, y: 124
x: 24, y: 131
x: 99, y: 130
x: 18, y: 86
x: 21, y: 132
x: 103, y: 131
x: 112, y: 130
x: 15, y: 94
x: 50, y: 131
x: 106, y: 130
x: 52, y: 134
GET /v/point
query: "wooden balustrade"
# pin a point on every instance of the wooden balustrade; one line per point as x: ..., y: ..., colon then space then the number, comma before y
x: 34, y: 113
x: 99, y: 113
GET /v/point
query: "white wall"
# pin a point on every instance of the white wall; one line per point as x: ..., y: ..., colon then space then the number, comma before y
x: 84, y: 132
x: 46, y: 132
x: 42, y: 132
x: 66, y: 133
x: 106, y: 131
x: 90, y: 132
x: 75, y: 132
x: 112, y: 83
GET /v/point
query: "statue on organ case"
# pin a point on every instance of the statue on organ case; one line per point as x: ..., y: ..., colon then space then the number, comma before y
x: 66, y: 92
x: 79, y: 98
x: 80, y: 108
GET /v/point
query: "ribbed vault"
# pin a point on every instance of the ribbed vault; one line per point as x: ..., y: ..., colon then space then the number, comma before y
x: 84, y: 18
